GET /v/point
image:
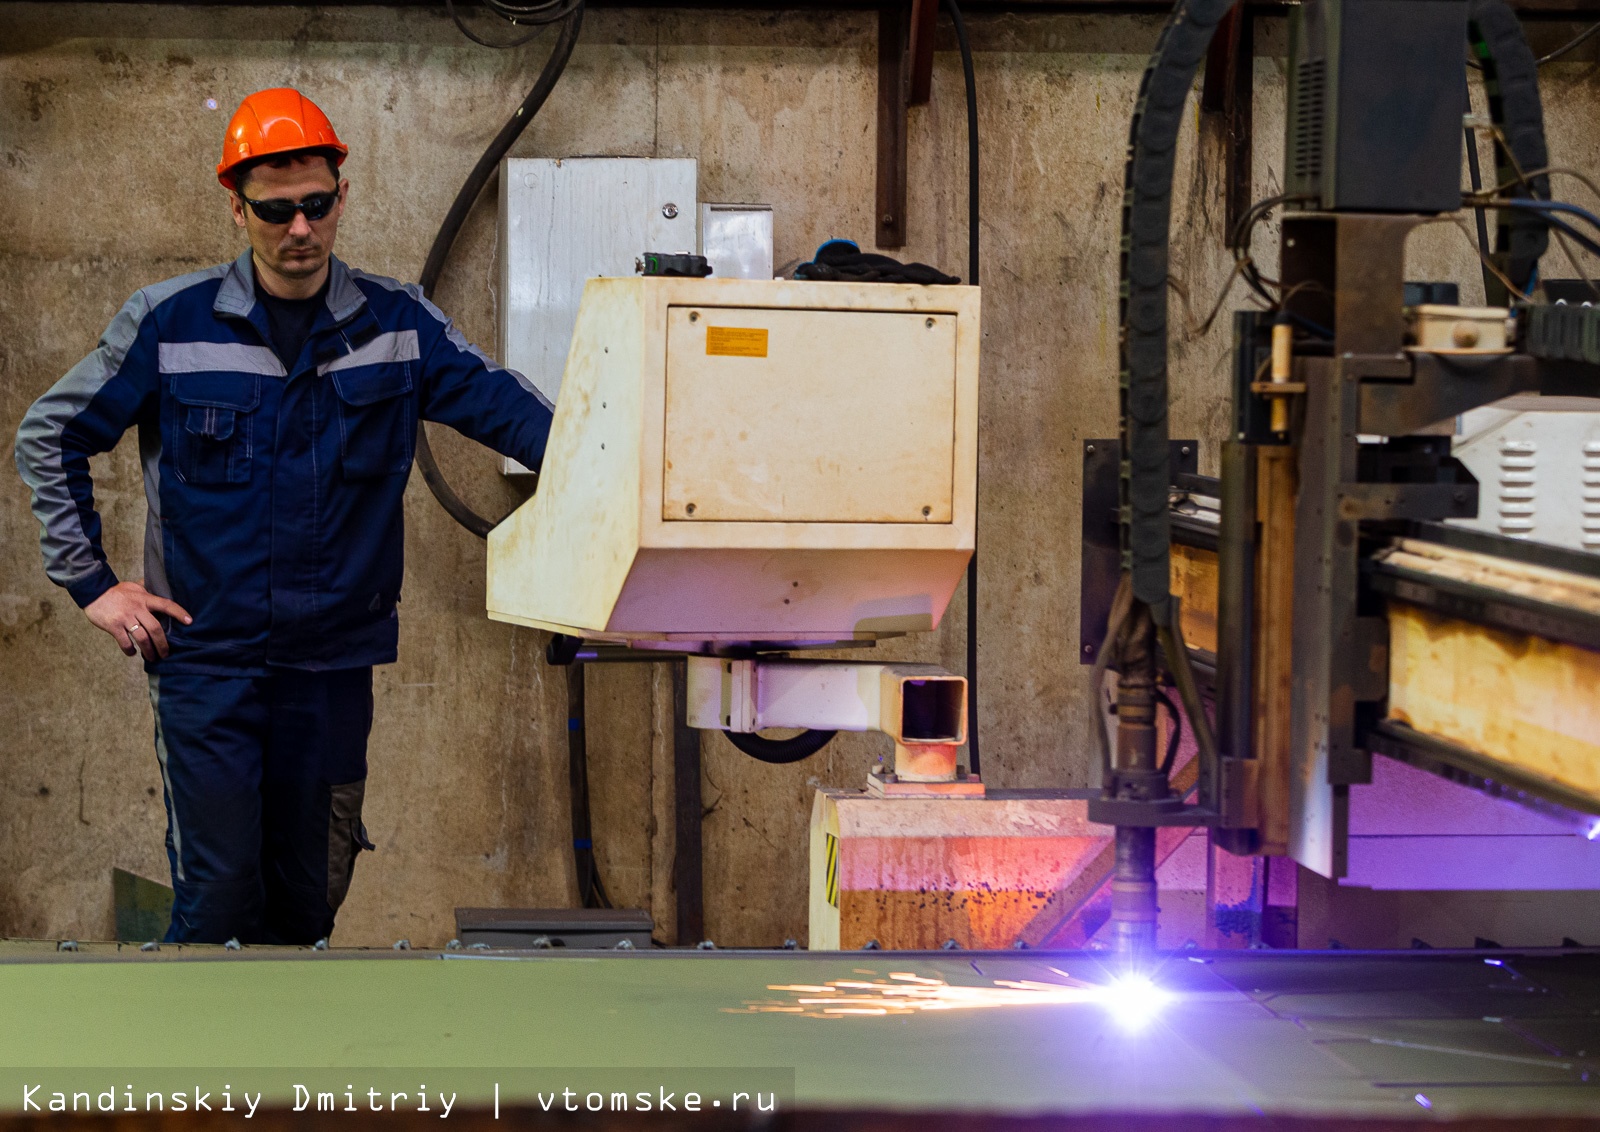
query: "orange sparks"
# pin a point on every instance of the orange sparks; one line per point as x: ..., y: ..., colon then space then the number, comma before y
x: 906, y: 993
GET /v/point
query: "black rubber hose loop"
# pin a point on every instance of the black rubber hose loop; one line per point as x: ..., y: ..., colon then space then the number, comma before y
x: 455, y: 218
x: 1146, y: 220
x: 780, y: 751
x: 974, y: 754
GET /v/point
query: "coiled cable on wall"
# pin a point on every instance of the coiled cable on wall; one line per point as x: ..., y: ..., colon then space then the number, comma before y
x: 591, y: 889
x: 535, y: 16
x: 560, y: 52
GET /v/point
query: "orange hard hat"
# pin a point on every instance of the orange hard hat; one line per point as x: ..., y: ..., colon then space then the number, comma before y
x: 269, y: 122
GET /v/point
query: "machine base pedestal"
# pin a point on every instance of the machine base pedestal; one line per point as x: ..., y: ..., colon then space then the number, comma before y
x: 913, y: 873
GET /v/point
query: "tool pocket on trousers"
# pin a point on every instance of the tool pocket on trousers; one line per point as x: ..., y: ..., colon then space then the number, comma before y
x: 214, y: 414
x: 346, y: 838
x: 377, y: 423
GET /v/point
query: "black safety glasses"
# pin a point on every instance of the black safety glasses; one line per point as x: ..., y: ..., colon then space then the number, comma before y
x: 280, y: 211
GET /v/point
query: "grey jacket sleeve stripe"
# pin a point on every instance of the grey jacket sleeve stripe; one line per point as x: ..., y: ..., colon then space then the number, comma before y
x: 395, y: 346
x: 204, y: 357
x: 54, y: 441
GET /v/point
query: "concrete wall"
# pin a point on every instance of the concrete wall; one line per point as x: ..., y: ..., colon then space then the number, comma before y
x: 110, y: 120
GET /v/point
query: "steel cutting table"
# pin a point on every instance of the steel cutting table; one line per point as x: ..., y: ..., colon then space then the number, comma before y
x: 1347, y: 1034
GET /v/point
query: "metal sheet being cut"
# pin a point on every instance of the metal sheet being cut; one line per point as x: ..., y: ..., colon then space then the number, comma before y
x: 1349, y: 1035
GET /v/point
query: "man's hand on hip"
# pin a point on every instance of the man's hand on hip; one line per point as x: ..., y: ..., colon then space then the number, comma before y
x: 128, y: 612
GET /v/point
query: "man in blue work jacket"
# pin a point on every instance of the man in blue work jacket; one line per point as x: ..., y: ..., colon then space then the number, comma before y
x: 276, y: 400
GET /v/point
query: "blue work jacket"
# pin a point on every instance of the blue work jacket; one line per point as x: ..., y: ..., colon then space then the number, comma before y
x: 274, y: 497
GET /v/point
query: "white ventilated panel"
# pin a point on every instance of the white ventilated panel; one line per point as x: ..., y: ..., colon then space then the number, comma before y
x: 564, y: 221
x: 1537, y: 462
x: 1517, y: 484
x: 1591, y: 491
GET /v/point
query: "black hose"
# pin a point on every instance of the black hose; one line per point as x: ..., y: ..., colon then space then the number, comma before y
x: 1547, y: 211
x: 950, y: 6
x: 591, y: 891
x: 1146, y: 230
x: 1170, y: 759
x: 970, y: 81
x: 547, y: 13
x: 791, y: 750
x: 1578, y: 40
x: 1121, y: 605
x: 1146, y: 218
x: 456, y: 217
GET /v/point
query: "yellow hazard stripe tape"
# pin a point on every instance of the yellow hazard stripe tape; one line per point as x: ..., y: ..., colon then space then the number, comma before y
x: 833, y: 869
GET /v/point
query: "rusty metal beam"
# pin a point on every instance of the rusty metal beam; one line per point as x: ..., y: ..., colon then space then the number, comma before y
x: 1237, y: 117
x: 1229, y: 91
x: 919, y: 78
x: 1213, y: 88
x: 891, y: 192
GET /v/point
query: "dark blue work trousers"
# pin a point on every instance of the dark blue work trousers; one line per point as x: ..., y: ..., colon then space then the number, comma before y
x: 264, y: 779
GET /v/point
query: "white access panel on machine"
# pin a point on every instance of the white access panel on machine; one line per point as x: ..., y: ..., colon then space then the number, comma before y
x: 751, y: 461
x: 736, y: 240
x: 564, y: 221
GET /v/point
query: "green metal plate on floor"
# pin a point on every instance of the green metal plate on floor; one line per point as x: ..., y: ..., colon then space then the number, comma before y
x: 1331, y: 1033
x: 143, y: 907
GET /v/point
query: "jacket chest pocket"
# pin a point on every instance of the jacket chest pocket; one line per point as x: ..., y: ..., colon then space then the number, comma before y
x: 377, y: 422
x: 215, y: 426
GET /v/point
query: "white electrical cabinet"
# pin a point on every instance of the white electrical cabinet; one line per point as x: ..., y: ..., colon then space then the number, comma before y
x: 564, y: 221
x: 752, y: 461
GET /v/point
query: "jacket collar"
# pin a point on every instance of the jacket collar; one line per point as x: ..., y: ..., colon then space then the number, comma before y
x: 237, y: 295
x: 344, y: 297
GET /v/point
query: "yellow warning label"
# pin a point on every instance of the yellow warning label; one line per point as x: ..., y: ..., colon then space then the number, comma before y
x: 832, y: 843
x: 736, y: 341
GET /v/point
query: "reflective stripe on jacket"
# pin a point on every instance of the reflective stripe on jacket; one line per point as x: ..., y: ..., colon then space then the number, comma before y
x: 274, y: 498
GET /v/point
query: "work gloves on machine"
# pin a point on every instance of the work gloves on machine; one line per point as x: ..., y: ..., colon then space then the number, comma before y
x: 843, y: 261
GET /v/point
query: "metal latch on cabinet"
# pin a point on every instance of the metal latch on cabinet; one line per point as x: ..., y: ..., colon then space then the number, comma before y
x: 660, y: 263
